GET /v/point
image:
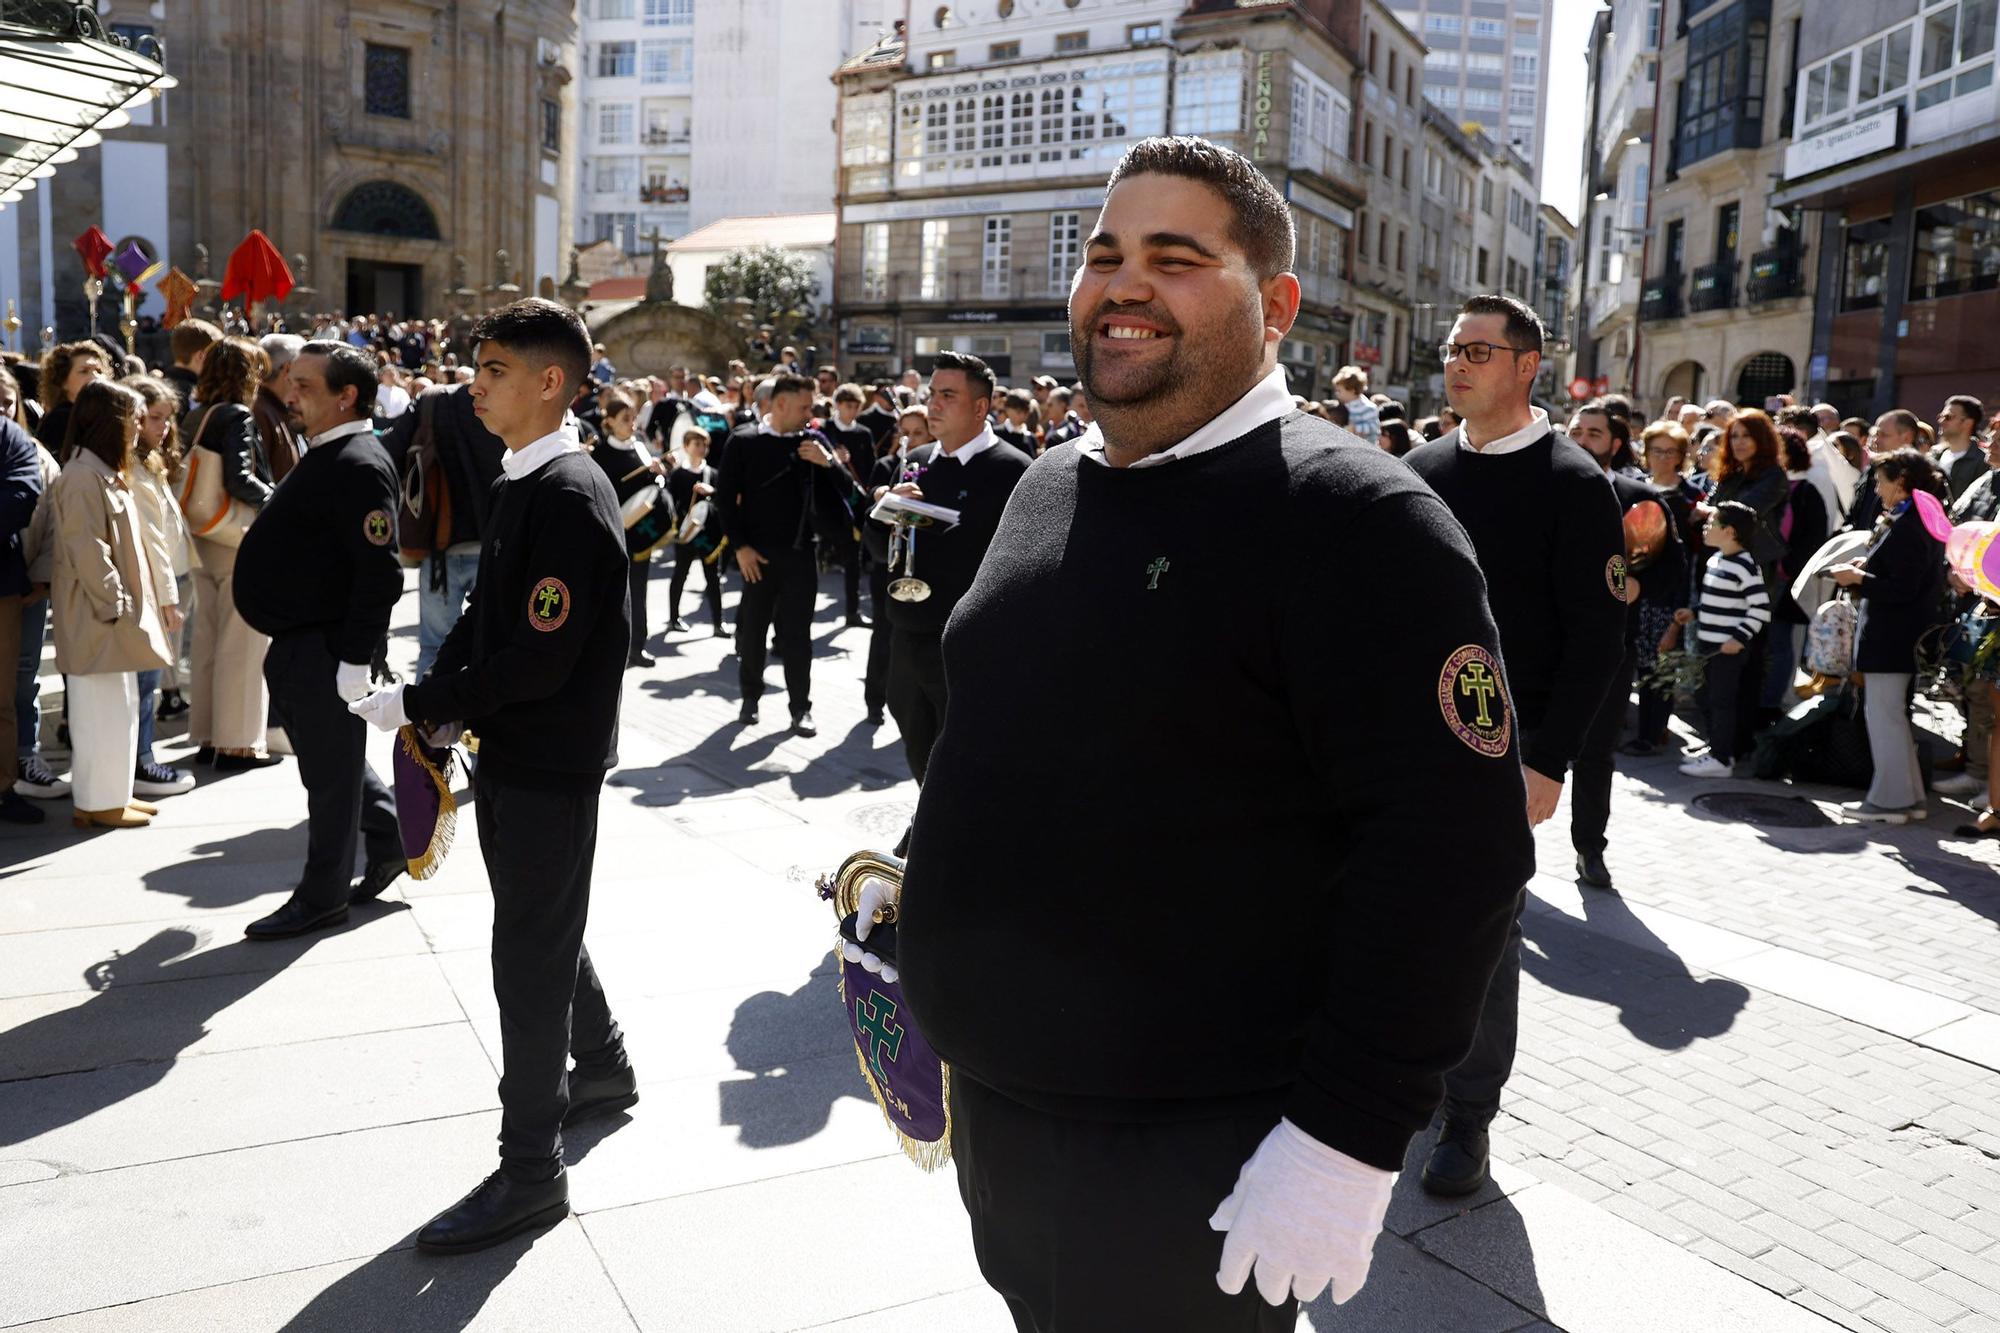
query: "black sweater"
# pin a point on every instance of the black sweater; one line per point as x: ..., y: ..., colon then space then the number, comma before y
x: 536, y: 663
x: 764, y: 489
x: 1547, y: 529
x: 1234, y: 910
x: 322, y: 553
x: 948, y: 558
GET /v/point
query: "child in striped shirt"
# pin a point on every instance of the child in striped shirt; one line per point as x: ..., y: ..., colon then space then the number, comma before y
x: 1730, y: 614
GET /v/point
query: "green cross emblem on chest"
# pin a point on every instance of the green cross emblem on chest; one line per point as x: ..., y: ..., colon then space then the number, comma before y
x: 547, y: 600
x: 1477, y: 683
x: 1154, y: 570
x: 882, y: 1036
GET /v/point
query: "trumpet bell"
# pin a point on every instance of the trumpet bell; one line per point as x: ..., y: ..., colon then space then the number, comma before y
x: 909, y: 590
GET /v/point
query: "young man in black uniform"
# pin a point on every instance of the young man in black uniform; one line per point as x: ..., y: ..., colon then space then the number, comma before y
x: 973, y: 471
x: 879, y: 418
x: 318, y: 573
x: 773, y: 474
x: 854, y: 453
x: 536, y: 665
x: 1167, y: 1021
x: 1549, y: 540
x: 910, y: 447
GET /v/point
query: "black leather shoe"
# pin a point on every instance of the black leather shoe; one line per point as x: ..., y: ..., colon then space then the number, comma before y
x: 875, y: 718
x: 677, y: 626
x: 295, y: 918
x: 1457, y: 1165
x: 590, y: 1097
x: 375, y: 879
x: 858, y: 621
x: 642, y: 660
x: 748, y: 717
x: 205, y: 755
x: 1590, y: 868
x: 500, y: 1209
x: 243, y: 763
x: 803, y: 724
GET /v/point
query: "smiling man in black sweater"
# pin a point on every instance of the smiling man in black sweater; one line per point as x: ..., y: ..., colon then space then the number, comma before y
x: 536, y: 665
x: 1221, y: 992
x: 1550, y: 541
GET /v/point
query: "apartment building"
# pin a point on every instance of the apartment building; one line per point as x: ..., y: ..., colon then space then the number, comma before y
x: 1488, y: 62
x: 1623, y: 57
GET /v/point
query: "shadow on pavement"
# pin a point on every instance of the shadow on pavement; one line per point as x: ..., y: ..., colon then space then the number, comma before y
x: 730, y: 755
x: 789, y: 1099
x: 123, y: 1039
x: 234, y: 870
x: 1612, y: 958
x: 404, y: 1288
x: 1965, y: 880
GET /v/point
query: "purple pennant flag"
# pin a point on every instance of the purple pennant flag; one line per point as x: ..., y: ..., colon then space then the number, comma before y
x: 909, y: 1080
x: 132, y: 261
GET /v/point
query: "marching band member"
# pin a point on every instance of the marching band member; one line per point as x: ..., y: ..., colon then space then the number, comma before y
x: 845, y: 430
x: 690, y: 483
x: 1308, y: 887
x: 622, y: 452
x: 536, y: 664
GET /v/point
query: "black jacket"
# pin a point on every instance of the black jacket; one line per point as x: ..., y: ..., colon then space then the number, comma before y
x: 20, y: 492
x: 949, y: 558
x: 537, y: 662
x: 232, y: 432
x: 322, y: 554
x: 766, y: 488
x: 1905, y: 576
x: 879, y: 422
x: 1809, y: 531
x: 469, y: 453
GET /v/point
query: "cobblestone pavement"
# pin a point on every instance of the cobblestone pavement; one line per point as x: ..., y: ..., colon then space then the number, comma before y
x: 1756, y: 1086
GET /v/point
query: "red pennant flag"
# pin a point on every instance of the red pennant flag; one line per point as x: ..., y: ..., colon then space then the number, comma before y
x: 256, y: 271
x: 93, y: 247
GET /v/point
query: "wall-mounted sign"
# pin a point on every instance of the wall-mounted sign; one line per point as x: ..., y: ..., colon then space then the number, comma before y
x: 1844, y: 143
x: 1260, y: 109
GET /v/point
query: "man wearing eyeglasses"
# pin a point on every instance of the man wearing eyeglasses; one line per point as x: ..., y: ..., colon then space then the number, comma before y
x: 1548, y: 535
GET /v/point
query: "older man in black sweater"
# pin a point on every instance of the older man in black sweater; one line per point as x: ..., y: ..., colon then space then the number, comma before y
x: 1220, y: 993
x: 1546, y: 526
x: 318, y: 573
x: 536, y: 665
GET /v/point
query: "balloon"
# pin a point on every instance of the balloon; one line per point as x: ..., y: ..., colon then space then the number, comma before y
x: 1986, y: 567
x: 1958, y: 547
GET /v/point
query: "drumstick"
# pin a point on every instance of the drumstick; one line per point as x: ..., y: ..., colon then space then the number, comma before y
x: 643, y: 467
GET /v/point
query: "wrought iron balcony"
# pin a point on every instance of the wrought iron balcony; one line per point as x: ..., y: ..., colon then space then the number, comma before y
x: 1776, y: 274
x: 1660, y: 298
x: 1713, y: 286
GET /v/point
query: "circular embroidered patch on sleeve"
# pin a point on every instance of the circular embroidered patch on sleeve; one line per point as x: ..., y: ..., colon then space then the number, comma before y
x: 1473, y: 699
x: 548, y: 604
x: 1614, y: 577
x: 378, y: 527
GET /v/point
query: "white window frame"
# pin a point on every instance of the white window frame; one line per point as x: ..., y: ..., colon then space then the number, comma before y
x: 934, y: 241
x: 1065, y: 249
x: 874, y: 261
x: 668, y: 13
x: 996, y: 257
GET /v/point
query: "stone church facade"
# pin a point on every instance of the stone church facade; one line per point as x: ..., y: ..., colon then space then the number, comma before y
x: 416, y: 154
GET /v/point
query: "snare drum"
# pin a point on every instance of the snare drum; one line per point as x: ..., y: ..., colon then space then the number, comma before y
x: 649, y: 522
x: 701, y: 531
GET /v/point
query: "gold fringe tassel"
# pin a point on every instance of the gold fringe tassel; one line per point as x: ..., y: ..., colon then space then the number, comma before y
x: 929, y: 1156
x: 423, y: 867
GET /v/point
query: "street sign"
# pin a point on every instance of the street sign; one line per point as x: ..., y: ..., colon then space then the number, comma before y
x: 1579, y: 387
x: 1602, y: 385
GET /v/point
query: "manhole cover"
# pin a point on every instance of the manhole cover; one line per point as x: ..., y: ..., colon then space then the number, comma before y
x: 884, y: 822
x: 1746, y: 807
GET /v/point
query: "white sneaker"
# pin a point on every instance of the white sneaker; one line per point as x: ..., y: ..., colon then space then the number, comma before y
x: 1868, y: 812
x: 1707, y: 766
x: 1957, y: 784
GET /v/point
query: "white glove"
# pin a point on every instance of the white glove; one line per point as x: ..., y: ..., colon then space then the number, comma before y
x: 352, y: 680
x: 875, y: 895
x: 382, y: 709
x: 447, y: 735
x: 1304, y: 1215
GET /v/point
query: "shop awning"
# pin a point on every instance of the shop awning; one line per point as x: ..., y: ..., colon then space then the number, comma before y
x: 63, y: 80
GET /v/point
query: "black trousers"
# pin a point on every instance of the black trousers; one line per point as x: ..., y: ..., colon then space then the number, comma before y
x: 916, y: 694
x: 345, y: 801
x: 539, y: 847
x: 1590, y: 775
x: 685, y: 561
x: 875, y: 685
x: 1731, y: 687
x: 640, y: 574
x: 783, y: 596
x: 850, y: 565
x: 1088, y: 1226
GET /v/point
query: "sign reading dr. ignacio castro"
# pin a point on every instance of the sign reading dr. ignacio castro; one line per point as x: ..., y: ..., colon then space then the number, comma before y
x: 1843, y: 143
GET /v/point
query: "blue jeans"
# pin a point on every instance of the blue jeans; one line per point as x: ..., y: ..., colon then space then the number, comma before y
x: 438, y: 611
x: 149, y: 693
x: 27, y: 685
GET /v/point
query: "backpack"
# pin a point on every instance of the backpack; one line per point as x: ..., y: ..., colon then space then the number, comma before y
x: 423, y: 515
x: 1830, y: 638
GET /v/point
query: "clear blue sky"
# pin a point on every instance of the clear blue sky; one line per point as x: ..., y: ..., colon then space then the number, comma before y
x: 1569, y: 105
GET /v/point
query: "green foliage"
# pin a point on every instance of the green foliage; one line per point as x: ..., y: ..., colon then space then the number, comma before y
x: 774, y: 280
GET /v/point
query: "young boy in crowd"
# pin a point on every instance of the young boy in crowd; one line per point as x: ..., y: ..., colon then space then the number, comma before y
x: 1730, y: 615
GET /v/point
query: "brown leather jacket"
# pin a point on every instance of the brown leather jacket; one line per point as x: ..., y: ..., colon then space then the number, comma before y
x: 274, y: 426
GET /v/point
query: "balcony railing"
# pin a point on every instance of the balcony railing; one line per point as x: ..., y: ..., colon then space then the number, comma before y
x: 1333, y: 166
x: 1776, y: 274
x: 1713, y: 286
x: 1660, y: 298
x: 968, y: 286
x: 671, y: 138
x: 663, y: 194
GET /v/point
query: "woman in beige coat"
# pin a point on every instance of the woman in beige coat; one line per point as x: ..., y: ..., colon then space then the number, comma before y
x: 108, y: 622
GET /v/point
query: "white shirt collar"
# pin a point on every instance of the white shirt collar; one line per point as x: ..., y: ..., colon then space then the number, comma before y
x: 1538, y: 424
x: 1267, y: 400
x: 979, y: 443
x: 518, y: 463
x: 340, y: 432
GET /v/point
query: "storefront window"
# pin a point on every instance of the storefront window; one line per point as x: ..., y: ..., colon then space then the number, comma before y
x: 1957, y: 247
x: 1866, y: 265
